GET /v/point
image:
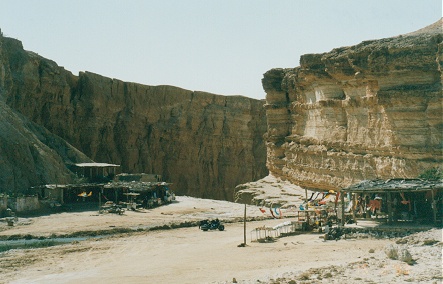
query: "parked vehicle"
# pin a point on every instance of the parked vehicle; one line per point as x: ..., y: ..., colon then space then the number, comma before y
x: 206, y: 225
x: 111, y: 207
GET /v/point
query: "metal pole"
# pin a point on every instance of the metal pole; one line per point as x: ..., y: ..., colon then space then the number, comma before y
x: 244, y: 227
x: 307, y: 208
x: 342, y: 197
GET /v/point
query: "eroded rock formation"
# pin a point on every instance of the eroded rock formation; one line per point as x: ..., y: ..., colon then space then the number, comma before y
x: 373, y: 110
x: 30, y: 155
x: 204, y: 144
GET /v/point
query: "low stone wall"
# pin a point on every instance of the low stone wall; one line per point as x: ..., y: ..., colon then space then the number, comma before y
x: 3, y: 204
x: 24, y: 203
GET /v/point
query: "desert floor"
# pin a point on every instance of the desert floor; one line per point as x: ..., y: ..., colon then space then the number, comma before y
x: 186, y: 254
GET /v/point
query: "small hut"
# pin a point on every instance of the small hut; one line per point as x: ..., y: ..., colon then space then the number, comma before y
x: 97, y: 172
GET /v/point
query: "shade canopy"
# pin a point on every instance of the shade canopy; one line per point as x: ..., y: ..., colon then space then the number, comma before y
x: 394, y: 185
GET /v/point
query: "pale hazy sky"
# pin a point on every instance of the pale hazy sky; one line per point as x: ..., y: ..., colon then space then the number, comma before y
x: 222, y: 47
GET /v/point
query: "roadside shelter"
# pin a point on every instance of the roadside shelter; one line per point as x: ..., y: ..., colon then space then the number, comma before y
x: 69, y: 193
x: 398, y: 200
x: 144, y: 194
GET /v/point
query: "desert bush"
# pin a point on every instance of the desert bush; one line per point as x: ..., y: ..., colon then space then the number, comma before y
x: 391, y: 251
x: 405, y: 256
x: 305, y: 276
x: 431, y: 174
x: 429, y: 242
x: 401, y: 254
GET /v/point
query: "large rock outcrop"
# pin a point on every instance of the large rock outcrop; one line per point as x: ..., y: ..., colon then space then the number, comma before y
x: 204, y: 144
x: 30, y: 155
x: 368, y: 111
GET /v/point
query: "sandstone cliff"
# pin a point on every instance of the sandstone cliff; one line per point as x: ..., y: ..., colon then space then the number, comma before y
x: 368, y: 111
x: 204, y: 144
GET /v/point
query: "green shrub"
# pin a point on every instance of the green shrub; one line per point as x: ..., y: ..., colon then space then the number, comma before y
x: 431, y: 174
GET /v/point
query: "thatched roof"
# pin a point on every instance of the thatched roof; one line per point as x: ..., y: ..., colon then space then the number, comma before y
x: 76, y: 185
x: 135, y: 185
x: 414, y: 185
x: 96, y: 165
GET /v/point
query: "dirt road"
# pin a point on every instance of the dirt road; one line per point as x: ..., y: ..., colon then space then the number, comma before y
x: 189, y: 255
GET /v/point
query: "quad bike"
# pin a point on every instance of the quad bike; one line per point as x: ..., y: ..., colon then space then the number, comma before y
x: 206, y: 225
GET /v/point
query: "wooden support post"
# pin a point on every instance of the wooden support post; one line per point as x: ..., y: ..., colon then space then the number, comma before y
x: 306, y: 208
x: 390, y: 218
x: 100, y: 191
x: 354, y: 207
x: 434, y: 207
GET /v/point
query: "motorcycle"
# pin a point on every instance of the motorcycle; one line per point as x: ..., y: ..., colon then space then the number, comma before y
x: 117, y: 209
x: 207, y: 225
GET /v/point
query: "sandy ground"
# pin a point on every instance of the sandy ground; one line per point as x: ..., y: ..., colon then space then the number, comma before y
x: 189, y: 255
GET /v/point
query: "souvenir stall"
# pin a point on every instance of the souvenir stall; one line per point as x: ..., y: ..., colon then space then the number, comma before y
x: 396, y: 200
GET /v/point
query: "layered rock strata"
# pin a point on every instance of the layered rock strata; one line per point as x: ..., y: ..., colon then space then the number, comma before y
x: 373, y: 110
x: 204, y: 144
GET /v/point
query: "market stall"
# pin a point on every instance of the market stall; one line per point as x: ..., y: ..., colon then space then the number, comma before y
x: 396, y: 200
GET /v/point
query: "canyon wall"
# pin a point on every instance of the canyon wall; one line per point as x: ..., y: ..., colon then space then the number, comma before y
x: 29, y: 154
x: 373, y: 110
x: 205, y: 144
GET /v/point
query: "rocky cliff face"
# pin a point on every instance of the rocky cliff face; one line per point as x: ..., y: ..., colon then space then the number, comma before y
x: 204, y: 144
x: 30, y: 155
x: 373, y: 110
